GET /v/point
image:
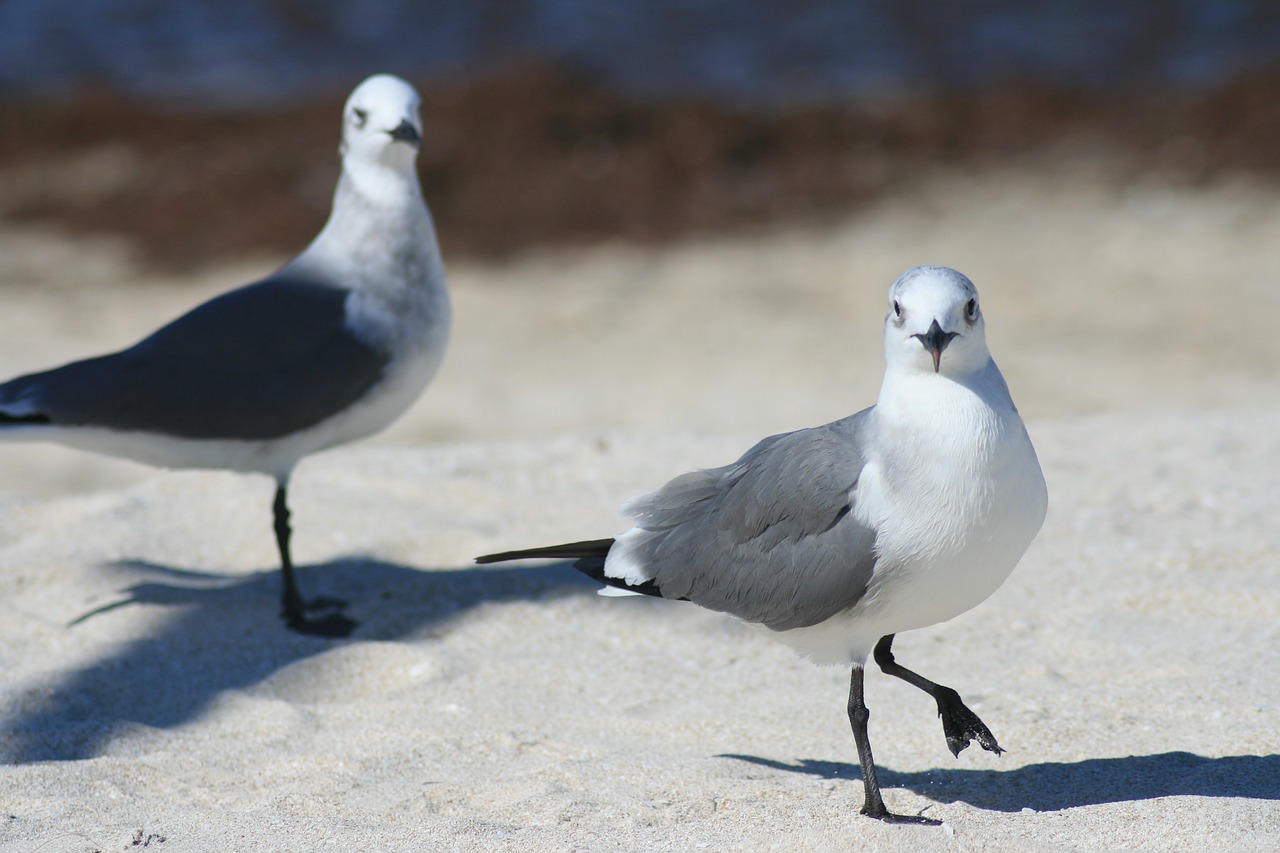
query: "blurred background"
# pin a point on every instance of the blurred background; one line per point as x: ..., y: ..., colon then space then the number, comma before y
x: 198, y: 129
x: 678, y: 216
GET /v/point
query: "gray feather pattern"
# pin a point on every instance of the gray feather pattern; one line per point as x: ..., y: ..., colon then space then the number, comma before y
x: 770, y: 538
x: 203, y: 375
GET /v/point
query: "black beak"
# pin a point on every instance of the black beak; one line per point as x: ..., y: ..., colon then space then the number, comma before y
x: 935, y: 341
x: 405, y: 132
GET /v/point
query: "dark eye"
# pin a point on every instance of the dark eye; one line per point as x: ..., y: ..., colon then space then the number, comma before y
x: 971, y: 309
x: 361, y: 116
x: 897, y: 309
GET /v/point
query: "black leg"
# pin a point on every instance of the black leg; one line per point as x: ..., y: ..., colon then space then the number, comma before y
x: 959, y: 724
x: 292, y: 606
x: 873, y: 806
x: 291, y: 602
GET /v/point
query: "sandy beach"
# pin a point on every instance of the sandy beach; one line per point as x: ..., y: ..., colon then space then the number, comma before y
x: 152, y: 700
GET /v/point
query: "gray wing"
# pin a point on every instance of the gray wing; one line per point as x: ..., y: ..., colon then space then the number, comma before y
x: 771, y: 538
x: 256, y: 363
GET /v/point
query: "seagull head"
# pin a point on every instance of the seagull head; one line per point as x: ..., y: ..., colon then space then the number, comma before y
x: 381, y: 122
x: 934, y: 323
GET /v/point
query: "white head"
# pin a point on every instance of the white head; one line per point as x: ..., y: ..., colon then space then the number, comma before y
x: 934, y: 324
x: 381, y: 123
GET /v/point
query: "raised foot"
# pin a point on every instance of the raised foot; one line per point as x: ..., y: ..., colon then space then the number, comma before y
x: 889, y: 817
x: 961, y: 726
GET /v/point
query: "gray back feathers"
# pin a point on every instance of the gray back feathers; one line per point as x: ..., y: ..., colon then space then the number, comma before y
x: 770, y: 538
x: 259, y: 362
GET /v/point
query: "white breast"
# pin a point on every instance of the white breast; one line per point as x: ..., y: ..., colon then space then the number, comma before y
x: 956, y: 495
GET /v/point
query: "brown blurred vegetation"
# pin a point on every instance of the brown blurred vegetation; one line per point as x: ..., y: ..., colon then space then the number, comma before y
x: 535, y: 156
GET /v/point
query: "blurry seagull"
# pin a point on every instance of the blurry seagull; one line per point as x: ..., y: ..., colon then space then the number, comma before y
x: 331, y: 348
x: 835, y: 538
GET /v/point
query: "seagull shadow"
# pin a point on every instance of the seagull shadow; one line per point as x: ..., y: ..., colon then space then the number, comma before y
x: 1055, y: 786
x: 225, y: 634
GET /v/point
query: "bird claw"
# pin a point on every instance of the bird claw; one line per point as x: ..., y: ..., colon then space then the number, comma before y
x: 887, y: 816
x: 961, y: 726
x: 323, y: 602
x: 333, y: 625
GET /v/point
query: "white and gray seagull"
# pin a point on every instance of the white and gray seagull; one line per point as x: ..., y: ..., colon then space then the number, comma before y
x: 331, y: 348
x: 836, y: 538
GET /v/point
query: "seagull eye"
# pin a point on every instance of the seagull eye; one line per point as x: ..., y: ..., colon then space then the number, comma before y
x: 897, y: 308
x: 361, y: 116
x: 971, y: 309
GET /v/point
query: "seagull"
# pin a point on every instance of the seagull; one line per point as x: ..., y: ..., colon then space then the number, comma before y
x: 835, y: 538
x: 332, y: 347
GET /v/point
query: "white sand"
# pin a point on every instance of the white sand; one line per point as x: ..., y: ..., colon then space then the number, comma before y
x: 1129, y: 666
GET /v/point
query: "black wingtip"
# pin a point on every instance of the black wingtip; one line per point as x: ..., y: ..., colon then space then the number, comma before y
x: 586, y: 549
x: 588, y: 557
x: 6, y: 419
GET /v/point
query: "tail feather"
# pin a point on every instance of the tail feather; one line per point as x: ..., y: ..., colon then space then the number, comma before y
x: 588, y: 557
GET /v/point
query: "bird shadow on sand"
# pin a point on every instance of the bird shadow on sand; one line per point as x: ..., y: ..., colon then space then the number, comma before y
x: 1054, y: 786
x: 225, y: 633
